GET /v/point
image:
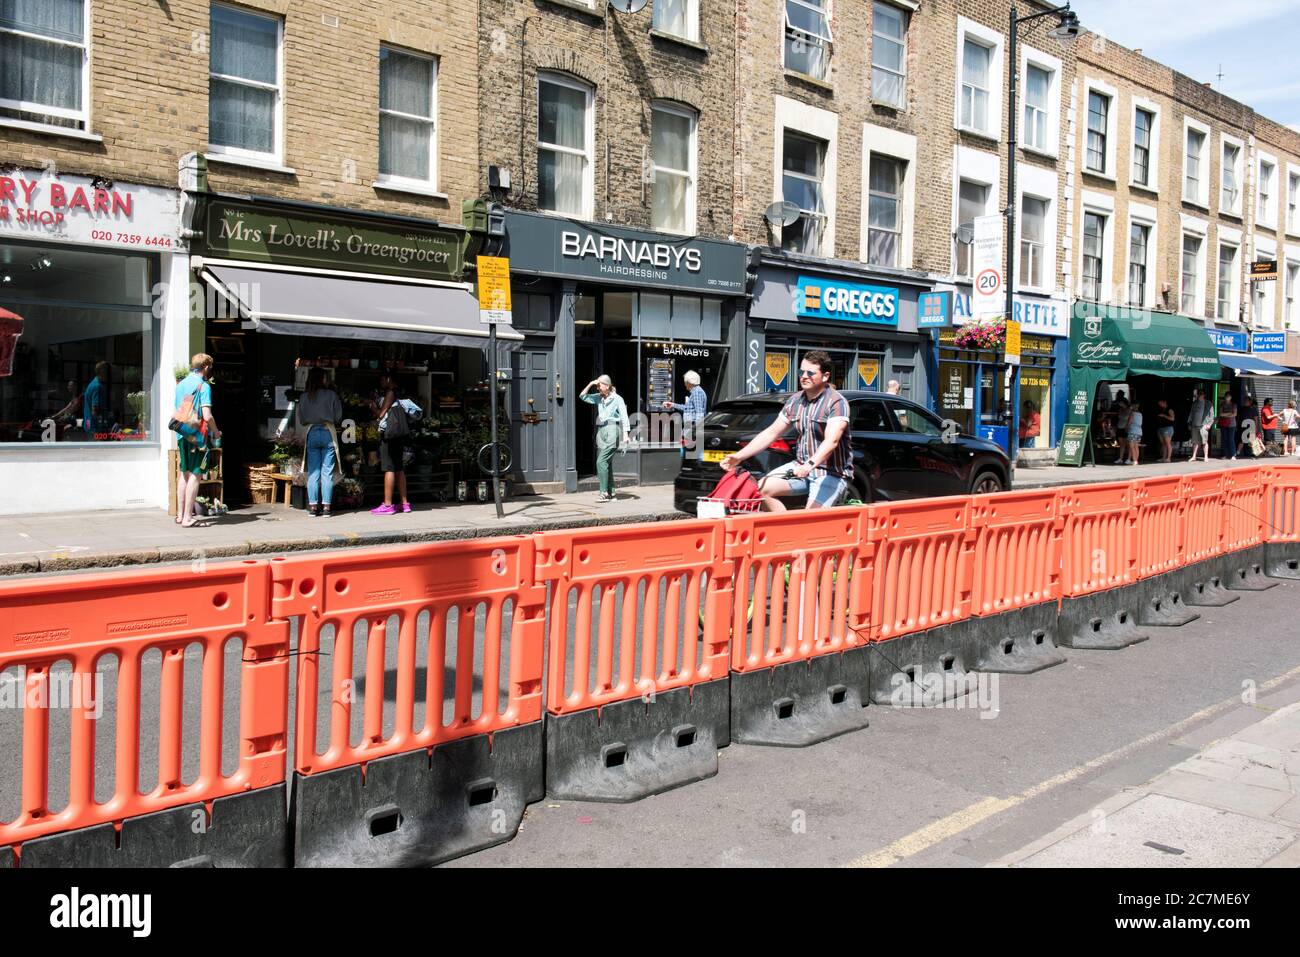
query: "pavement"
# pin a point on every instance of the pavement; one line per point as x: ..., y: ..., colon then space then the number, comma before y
x: 69, y: 541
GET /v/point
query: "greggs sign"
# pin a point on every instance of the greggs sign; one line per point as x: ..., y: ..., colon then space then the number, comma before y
x: 76, y: 209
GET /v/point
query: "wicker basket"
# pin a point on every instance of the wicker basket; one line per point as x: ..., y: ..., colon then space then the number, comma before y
x: 261, y: 489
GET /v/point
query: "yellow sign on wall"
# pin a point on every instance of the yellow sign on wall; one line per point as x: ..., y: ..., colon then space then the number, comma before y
x: 868, y: 370
x: 493, y: 289
x: 1011, y: 351
x: 778, y: 369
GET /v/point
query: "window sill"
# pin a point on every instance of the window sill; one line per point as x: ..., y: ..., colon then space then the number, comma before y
x: 1197, y: 204
x: 1035, y: 151
x: 267, y: 166
x: 1229, y: 214
x: 63, y: 131
x: 980, y: 134
x: 812, y: 81
x: 892, y: 107
x: 1150, y: 190
x: 412, y: 189
x: 1293, y: 233
x: 1110, y: 177
x: 1265, y: 226
x: 577, y: 6
x: 690, y: 44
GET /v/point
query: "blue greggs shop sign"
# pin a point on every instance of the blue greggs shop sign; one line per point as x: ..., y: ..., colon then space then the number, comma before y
x: 854, y: 302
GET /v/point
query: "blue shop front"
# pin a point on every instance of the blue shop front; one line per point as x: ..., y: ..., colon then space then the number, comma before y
x: 975, y: 386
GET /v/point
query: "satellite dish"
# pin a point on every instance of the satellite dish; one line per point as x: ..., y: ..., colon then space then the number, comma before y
x: 966, y: 233
x: 628, y: 6
x: 781, y: 213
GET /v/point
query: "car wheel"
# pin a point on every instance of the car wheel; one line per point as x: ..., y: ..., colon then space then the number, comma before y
x: 985, y: 483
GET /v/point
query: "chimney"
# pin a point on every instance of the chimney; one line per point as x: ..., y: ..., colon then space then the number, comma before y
x: 1138, y: 51
x: 1207, y: 83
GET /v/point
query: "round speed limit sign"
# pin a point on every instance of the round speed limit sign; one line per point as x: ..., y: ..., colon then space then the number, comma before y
x: 988, y: 282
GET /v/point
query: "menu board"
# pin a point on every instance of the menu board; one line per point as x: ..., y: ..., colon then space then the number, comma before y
x: 659, y: 381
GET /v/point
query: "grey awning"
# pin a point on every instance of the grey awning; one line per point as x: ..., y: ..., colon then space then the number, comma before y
x: 317, y: 304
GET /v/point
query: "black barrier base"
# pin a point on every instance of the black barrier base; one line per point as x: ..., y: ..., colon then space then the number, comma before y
x: 1016, y: 642
x: 418, y: 808
x: 632, y: 749
x: 1282, y: 560
x: 1201, y: 584
x: 1244, y: 570
x: 1162, y: 602
x: 1102, y: 621
x: 923, y: 669
x: 246, y: 830
x: 802, y: 702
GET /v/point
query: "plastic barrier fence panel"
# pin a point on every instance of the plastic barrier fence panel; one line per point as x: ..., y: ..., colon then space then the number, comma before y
x: 1017, y: 551
x: 1158, y: 508
x: 1202, y: 495
x: 1243, y: 508
x: 1096, y: 537
x: 160, y: 694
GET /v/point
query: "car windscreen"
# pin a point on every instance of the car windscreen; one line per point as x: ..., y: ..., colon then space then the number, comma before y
x: 743, y: 416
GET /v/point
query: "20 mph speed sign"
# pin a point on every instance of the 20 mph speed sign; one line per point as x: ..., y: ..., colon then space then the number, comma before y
x: 989, y: 282
x: 986, y: 259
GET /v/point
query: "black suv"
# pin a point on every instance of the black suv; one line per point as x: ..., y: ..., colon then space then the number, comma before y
x: 900, y: 450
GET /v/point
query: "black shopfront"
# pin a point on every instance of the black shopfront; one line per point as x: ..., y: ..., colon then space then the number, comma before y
x: 643, y: 308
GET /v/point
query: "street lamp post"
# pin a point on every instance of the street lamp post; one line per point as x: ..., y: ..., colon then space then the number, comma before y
x: 1067, y: 28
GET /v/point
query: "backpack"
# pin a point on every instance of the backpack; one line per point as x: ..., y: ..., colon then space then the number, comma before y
x: 186, y: 420
x: 395, y: 424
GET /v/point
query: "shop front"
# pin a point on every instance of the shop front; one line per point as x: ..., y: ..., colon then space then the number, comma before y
x: 291, y: 286
x: 87, y: 326
x: 643, y: 308
x: 1255, y: 365
x: 1020, y: 406
x: 1120, y: 358
x: 864, y: 319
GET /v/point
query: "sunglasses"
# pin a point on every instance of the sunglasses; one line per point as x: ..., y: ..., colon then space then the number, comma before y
x: 805, y: 374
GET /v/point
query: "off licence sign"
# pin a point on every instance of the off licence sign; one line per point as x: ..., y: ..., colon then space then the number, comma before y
x: 493, y: 289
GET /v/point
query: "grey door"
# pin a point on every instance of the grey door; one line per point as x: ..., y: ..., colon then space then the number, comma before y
x: 531, y: 418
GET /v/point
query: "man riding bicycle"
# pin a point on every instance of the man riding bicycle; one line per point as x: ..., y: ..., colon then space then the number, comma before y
x: 824, y: 457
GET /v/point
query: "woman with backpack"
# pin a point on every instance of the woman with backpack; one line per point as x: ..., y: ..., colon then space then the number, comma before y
x: 319, y: 411
x: 393, y: 432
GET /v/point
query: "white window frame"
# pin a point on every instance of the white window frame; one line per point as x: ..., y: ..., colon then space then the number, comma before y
x: 1293, y: 200
x: 787, y: 28
x: 1091, y: 86
x: 1267, y: 317
x: 1290, y: 280
x: 1200, y: 228
x: 882, y: 141
x: 993, y: 40
x: 982, y: 168
x: 1202, y: 197
x: 1230, y: 238
x: 692, y: 21
x: 81, y: 116
x: 1052, y: 65
x: 1038, y: 183
x: 389, y: 179
x: 1239, y: 171
x: 588, y: 154
x: 906, y: 13
x: 1153, y: 160
x: 1143, y: 215
x: 1101, y: 204
x: 1266, y: 213
x: 236, y: 152
x: 692, y: 174
x: 820, y: 124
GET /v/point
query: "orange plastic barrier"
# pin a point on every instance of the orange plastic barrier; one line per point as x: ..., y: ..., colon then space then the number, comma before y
x: 921, y: 565
x: 1202, y: 495
x: 1282, y: 503
x: 797, y: 592
x: 82, y: 620
x: 1158, y: 507
x: 1017, y: 550
x: 641, y: 594
x: 1097, y: 548
x: 472, y: 581
x: 1243, y: 508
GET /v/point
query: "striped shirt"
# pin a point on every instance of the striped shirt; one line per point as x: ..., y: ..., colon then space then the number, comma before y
x: 811, y: 419
x: 696, y: 404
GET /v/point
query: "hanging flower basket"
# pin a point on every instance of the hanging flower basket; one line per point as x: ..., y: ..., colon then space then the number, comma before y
x: 987, y: 336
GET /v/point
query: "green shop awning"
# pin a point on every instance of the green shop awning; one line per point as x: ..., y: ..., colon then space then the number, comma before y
x: 1118, y: 341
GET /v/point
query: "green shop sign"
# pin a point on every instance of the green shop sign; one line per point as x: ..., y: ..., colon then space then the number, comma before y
x: 325, y: 239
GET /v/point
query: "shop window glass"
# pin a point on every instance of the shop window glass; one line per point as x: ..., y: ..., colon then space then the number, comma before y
x: 686, y: 318
x: 711, y: 321
x: 85, y: 341
x: 654, y: 316
x: 532, y: 312
x: 619, y: 307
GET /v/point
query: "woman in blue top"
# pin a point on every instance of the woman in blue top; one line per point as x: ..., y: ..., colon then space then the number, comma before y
x: 611, y: 422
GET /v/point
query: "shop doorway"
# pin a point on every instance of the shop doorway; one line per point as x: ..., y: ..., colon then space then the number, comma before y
x: 531, y: 413
x: 586, y: 356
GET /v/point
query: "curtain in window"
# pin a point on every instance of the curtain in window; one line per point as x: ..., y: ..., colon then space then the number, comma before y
x: 1037, y: 84
x: 61, y: 19
x: 39, y: 72
x: 243, y: 45
x: 670, y: 148
x: 241, y: 116
x: 887, y: 55
x: 562, y: 121
x: 670, y: 16
x: 882, y: 212
x: 975, y: 78
x: 405, y: 86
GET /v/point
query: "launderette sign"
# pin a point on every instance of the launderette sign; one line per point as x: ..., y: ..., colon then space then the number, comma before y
x: 854, y: 302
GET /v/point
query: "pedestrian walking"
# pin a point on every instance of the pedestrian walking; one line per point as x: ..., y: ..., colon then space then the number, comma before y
x: 1227, y: 428
x: 1134, y: 433
x: 611, y: 424
x: 393, y: 431
x: 1290, y: 428
x: 1268, y: 425
x: 1165, y: 430
x: 693, y: 411
x: 319, y: 413
x: 1199, y: 420
x: 196, y: 433
x: 1246, y: 433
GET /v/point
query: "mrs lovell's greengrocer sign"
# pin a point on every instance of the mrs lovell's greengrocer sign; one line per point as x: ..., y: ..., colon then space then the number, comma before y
x: 325, y: 239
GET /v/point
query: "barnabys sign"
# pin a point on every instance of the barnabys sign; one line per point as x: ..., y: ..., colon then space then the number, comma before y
x: 292, y: 236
